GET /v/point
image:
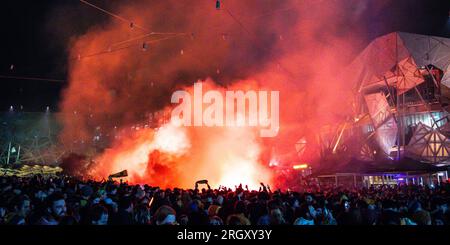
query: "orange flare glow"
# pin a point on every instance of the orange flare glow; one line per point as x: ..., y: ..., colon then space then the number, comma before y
x: 300, y: 166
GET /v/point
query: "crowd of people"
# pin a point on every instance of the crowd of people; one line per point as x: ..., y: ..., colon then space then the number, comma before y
x: 66, y: 200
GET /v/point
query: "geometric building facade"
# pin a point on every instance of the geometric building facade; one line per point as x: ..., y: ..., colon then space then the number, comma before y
x: 400, y: 95
x: 428, y: 144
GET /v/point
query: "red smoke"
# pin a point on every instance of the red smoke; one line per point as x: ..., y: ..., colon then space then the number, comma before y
x: 172, y: 156
x: 295, y: 47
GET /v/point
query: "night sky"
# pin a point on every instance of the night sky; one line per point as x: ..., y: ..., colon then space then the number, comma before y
x: 36, y: 34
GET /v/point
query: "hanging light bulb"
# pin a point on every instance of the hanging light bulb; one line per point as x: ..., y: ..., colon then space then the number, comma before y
x: 144, y: 46
x: 218, y: 71
x: 218, y: 4
x: 182, y: 52
x: 11, y: 67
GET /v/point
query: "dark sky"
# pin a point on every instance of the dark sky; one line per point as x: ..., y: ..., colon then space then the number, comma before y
x: 36, y: 33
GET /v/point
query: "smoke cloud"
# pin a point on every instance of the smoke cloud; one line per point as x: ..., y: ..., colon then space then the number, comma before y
x: 119, y: 73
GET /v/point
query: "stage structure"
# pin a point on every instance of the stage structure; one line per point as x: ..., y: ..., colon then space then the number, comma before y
x: 400, y: 101
x: 29, y: 137
x: 32, y: 137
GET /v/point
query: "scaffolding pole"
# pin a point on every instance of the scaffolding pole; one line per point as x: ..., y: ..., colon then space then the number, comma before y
x: 18, y: 154
x: 9, y: 153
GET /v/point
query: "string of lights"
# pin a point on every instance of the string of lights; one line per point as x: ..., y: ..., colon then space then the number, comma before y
x: 218, y: 6
x: 31, y: 78
x: 129, y: 22
x: 111, y: 50
x: 115, y: 47
x: 144, y: 36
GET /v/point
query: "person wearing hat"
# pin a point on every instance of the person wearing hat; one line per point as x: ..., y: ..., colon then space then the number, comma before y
x: 213, y: 210
x: 165, y: 215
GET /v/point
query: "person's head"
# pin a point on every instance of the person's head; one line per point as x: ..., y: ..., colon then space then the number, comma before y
x: 22, y: 205
x: 219, y: 200
x: 56, y: 205
x: 415, y: 206
x: 2, y: 212
x: 200, y: 204
x: 111, y: 205
x: 439, y: 222
x: 234, y: 220
x: 112, y: 190
x: 142, y: 215
x: 276, y: 217
x: 239, y: 207
x: 309, y: 199
x: 40, y: 195
x: 101, y: 194
x: 346, y: 205
x: 303, y: 212
x: 263, y: 196
x: 443, y: 207
x: 145, y: 200
x: 294, y: 202
x: 216, y: 220
x: 165, y: 215
x: 140, y: 193
x: 17, y: 191
x: 126, y: 204
x: 213, y: 210
x: 50, y: 191
x: 371, y: 205
x: 183, y: 220
x: 186, y: 198
x: 99, y: 215
x: 86, y: 191
x: 161, y: 194
x: 273, y: 204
